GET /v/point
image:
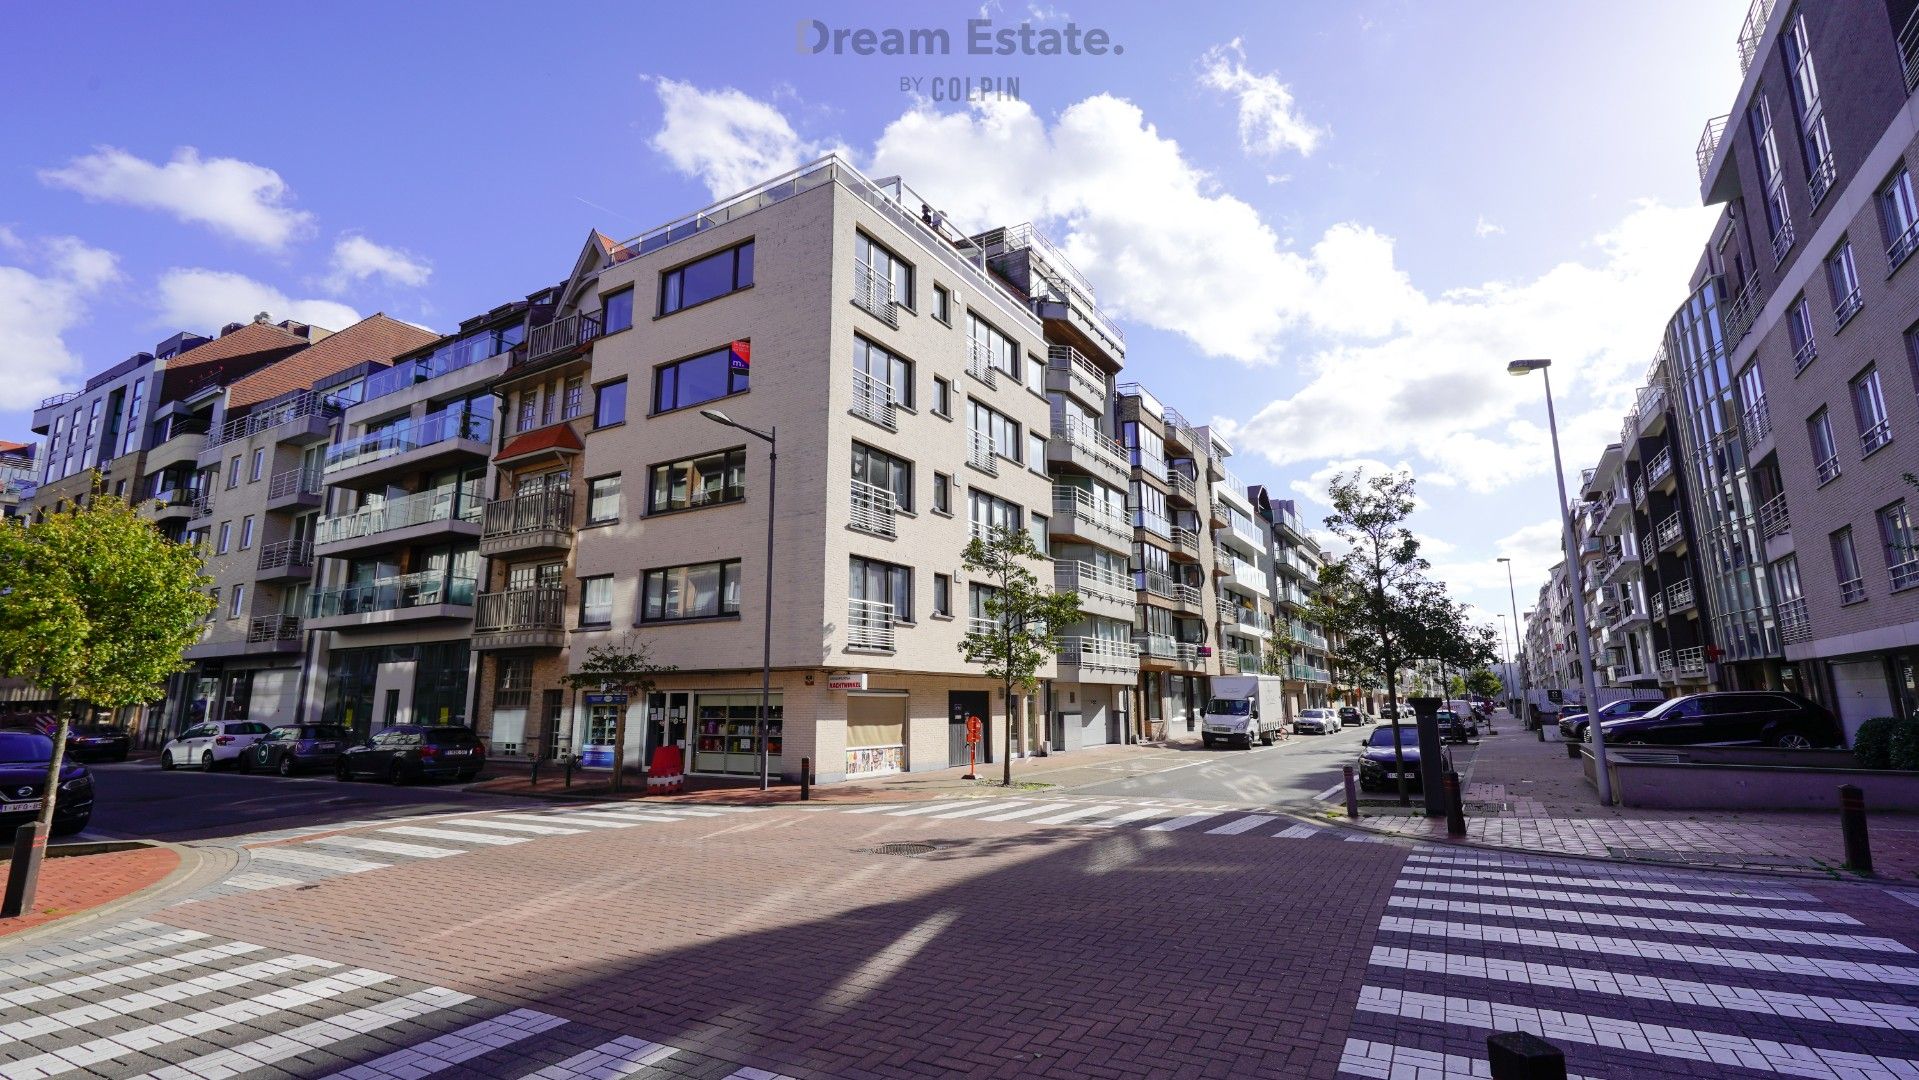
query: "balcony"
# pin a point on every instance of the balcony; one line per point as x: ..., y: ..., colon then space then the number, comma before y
x: 530, y: 618
x: 1186, y: 657
x: 1660, y: 466
x: 1219, y: 514
x: 1875, y: 437
x: 1671, y: 531
x: 1078, y: 516
x: 1306, y: 636
x: 555, y: 342
x: 1665, y: 663
x: 1795, y: 625
x: 201, y: 506
x: 1078, y: 443
x: 1186, y: 543
x: 1774, y: 520
x: 294, y: 489
x: 1741, y: 310
x: 1691, y: 663
x: 1180, y: 433
x: 873, y: 400
x: 454, y: 356
x: 1183, y: 487
x: 1154, y: 650
x: 1852, y: 590
x: 1070, y: 373
x: 1153, y: 583
x: 1904, y: 575
x: 980, y: 453
x: 1782, y: 244
x: 309, y: 419
x: 1098, y: 660
x: 870, y: 626
x: 523, y: 524
x: 1639, y: 492
x: 1805, y: 354
x: 1188, y: 599
x: 1223, y: 560
x: 1149, y: 522
x: 287, y: 559
x: 410, y: 444
x: 1758, y: 421
x: 1251, y: 579
x: 57, y: 399
x: 1102, y: 592
x: 1679, y: 596
x: 444, y: 511
x: 874, y: 294
x: 277, y: 633
x: 1658, y: 605
x: 1909, y: 51
x: 1631, y: 615
x: 1819, y: 180
x: 872, y: 509
x: 1829, y: 469
x: 427, y: 596
x: 1709, y: 144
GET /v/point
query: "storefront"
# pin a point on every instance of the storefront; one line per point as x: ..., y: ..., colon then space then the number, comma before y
x: 875, y: 732
x: 726, y: 734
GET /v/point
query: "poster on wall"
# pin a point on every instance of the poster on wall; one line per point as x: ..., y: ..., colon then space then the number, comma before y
x: 868, y: 760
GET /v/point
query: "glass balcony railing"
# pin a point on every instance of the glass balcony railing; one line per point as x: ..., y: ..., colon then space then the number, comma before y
x: 449, y: 503
x: 425, y: 589
x: 447, y: 358
x: 407, y: 436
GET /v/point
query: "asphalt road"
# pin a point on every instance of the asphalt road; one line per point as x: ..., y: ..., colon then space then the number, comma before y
x: 139, y: 800
x: 1297, y: 770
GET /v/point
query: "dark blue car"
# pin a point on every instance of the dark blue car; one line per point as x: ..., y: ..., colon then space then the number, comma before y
x: 1377, y: 765
x: 23, y: 776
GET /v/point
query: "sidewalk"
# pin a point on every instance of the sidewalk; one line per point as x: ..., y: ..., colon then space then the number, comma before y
x: 1527, y: 795
x: 72, y: 884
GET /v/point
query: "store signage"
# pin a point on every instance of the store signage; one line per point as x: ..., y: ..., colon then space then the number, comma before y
x: 846, y: 680
x: 1205, y: 650
x: 605, y: 699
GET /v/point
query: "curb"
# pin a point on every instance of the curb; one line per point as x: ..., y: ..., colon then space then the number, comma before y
x: 196, y: 870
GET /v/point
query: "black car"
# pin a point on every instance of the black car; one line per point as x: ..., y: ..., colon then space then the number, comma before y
x: 1576, y: 726
x: 1730, y: 718
x: 1376, y: 761
x: 1351, y: 716
x: 1456, y: 727
x: 415, y: 752
x: 293, y: 748
x: 98, y: 742
x: 24, y: 756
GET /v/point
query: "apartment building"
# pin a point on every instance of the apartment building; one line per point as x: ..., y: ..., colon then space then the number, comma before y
x: 1621, y: 614
x: 102, y: 428
x: 19, y: 478
x: 258, y: 472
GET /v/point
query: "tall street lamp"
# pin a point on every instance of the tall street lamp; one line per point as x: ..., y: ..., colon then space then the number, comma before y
x: 1574, y: 573
x: 766, y: 615
x: 1519, y: 637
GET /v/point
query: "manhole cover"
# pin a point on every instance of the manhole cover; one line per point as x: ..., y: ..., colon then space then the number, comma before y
x: 903, y: 849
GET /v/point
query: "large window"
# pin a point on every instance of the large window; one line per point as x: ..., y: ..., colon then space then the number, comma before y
x: 988, y: 511
x: 1825, y: 453
x: 883, y: 470
x: 697, y: 282
x: 701, y: 591
x: 133, y: 417
x: 707, y: 480
x: 1002, y: 429
x: 616, y: 311
x: 1899, y: 215
x: 609, y: 405
x: 1815, y: 143
x: 602, y: 500
x: 596, y: 600
x: 1845, y: 567
x: 992, y: 348
x: 874, y: 263
x: 1901, y: 543
x: 699, y: 379
x: 882, y: 583
x: 1869, y: 408
x: 893, y: 372
x: 1843, y: 277
x: 1799, y: 331
x: 1766, y: 155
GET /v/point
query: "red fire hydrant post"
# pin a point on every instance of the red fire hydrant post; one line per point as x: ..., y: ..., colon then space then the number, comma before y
x: 972, y: 748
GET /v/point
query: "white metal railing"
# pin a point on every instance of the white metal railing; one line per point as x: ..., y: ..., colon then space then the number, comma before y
x: 267, y: 417
x: 1185, y: 654
x: 1665, y: 661
x: 1079, y: 434
x: 980, y: 624
x: 300, y: 481
x: 560, y: 335
x: 875, y: 294
x: 1752, y: 31
x: 1847, y: 307
x: 1182, y: 484
x: 1904, y: 574
x: 1782, y: 243
x: 1741, y: 310
x: 1247, y: 531
x: 1852, y: 590
x: 1819, y: 179
x: 1758, y: 420
x: 286, y: 553
x: 1105, y: 654
x: 1077, y: 502
x: 979, y: 362
x: 1679, y: 597
x: 1708, y: 143
x: 873, y: 400
x: 273, y: 628
x: 1691, y: 661
x: 1901, y: 247
x: 540, y: 607
x: 1187, y: 595
x: 1157, y: 646
x: 1248, y: 577
x: 869, y: 625
x: 980, y: 453
x: 1186, y: 540
x: 1794, y: 624
x: 1661, y: 464
x: 1875, y: 437
x: 872, y: 509
x: 1093, y: 580
x: 1669, y: 529
x: 1807, y: 352
x: 1639, y: 490
x: 1774, y: 518
x: 1082, y: 374
x: 1829, y: 469
x: 1909, y: 51
x: 1658, y: 605
x: 1179, y: 430
x: 1154, y: 582
x: 438, y: 504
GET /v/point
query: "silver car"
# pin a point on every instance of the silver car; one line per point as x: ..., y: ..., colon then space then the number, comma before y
x: 1317, y: 722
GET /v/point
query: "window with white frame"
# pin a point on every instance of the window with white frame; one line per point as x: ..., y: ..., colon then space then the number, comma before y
x: 1843, y: 277
x: 1825, y: 453
x: 1799, y: 331
x: 1901, y: 544
x: 246, y: 532
x: 874, y: 262
x: 1899, y: 216
x: 1845, y: 567
x: 882, y: 470
x: 259, y: 463
x: 882, y: 583
x: 987, y: 512
x: 1869, y: 409
x: 884, y: 368
x: 1766, y: 155
x: 1815, y: 143
x: 236, y: 604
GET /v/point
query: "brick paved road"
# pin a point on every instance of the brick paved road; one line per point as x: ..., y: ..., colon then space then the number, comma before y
x: 1038, y: 937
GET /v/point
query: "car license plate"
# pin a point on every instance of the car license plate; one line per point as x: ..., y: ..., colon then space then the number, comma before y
x: 458, y: 753
x: 326, y: 746
x: 20, y: 807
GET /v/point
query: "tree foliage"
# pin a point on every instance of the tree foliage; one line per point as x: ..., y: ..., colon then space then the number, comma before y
x: 625, y: 666
x: 1483, y: 681
x: 1022, y: 617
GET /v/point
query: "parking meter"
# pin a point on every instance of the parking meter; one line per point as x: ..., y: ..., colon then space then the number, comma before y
x: 1432, y: 767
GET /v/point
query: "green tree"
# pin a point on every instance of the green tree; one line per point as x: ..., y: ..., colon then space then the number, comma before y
x: 96, y: 606
x: 1483, y: 681
x: 623, y: 667
x: 1280, y: 644
x: 1020, y: 631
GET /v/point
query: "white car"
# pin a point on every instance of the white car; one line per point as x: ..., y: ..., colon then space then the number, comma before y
x: 210, y: 743
x: 1317, y: 721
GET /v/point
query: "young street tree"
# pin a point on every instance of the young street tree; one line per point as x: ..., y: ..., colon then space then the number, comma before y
x: 621, y: 667
x: 96, y: 607
x: 1020, y: 631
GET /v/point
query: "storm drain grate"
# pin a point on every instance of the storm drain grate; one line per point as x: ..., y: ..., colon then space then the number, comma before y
x: 903, y: 849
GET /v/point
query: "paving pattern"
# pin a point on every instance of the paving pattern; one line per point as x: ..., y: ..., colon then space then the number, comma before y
x: 1636, y: 972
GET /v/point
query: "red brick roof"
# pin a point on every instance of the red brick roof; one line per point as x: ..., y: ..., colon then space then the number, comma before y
x: 551, y: 437
x: 7, y: 447
x: 243, y: 350
x: 375, y: 337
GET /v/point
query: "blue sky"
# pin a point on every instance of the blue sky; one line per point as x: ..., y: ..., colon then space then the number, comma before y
x: 1324, y: 225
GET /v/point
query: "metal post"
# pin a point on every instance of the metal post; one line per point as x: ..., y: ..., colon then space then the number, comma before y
x: 1521, y: 1055
x: 1455, y: 806
x: 806, y: 779
x: 569, y: 768
x: 23, y: 874
x: 1577, y: 573
x: 1519, y: 643
x: 766, y: 616
x: 1352, y: 794
x: 536, y: 769
x: 1852, y: 825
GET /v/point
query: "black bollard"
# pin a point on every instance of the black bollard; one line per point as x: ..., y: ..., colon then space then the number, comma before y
x: 569, y: 770
x: 1352, y: 795
x: 1852, y: 825
x: 1455, y: 806
x: 806, y: 779
x: 23, y: 873
x: 536, y: 770
x: 1521, y: 1055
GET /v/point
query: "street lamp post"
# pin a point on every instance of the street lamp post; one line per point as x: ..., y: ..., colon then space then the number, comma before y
x: 1574, y: 573
x: 766, y: 614
x: 1519, y: 637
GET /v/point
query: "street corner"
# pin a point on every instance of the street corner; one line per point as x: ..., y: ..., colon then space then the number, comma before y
x: 76, y: 884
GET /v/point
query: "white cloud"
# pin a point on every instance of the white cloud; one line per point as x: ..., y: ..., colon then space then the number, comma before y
x: 727, y: 139
x: 1483, y: 228
x: 356, y: 259
x: 206, y: 300
x: 1269, y: 119
x: 234, y: 197
x: 1533, y: 549
x: 39, y: 306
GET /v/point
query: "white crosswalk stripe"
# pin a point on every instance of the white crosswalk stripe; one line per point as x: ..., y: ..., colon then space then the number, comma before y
x: 511, y: 826
x: 982, y: 806
x: 1071, y: 815
x: 1766, y: 934
x: 120, y: 976
x: 1030, y: 811
x: 1300, y: 831
x: 1691, y: 907
x: 24, y: 970
x: 876, y: 809
x: 1616, y: 883
x: 386, y: 847
x: 49, y: 1023
x: 458, y: 836
x: 1245, y: 824
x: 924, y: 808
x: 316, y: 859
x: 453, y: 1048
x: 1126, y: 818
x: 260, y: 881
x: 596, y: 821
x: 1389, y: 1061
x: 315, y: 1035
x: 638, y: 815
x: 621, y: 1057
x: 1180, y: 822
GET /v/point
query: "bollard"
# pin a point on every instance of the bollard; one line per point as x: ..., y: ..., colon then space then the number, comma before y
x: 1352, y: 795
x: 536, y: 770
x: 1455, y: 806
x: 23, y: 874
x: 1521, y: 1055
x: 806, y: 779
x: 1572, y: 749
x: 569, y: 770
x: 1542, y: 733
x: 1852, y: 825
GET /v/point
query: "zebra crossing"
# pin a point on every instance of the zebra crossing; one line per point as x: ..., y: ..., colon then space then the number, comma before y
x: 1154, y: 816
x: 295, y: 857
x: 1630, y: 971
x: 148, y: 1000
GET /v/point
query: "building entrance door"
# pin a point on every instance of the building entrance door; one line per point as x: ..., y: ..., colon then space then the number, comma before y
x: 961, y: 704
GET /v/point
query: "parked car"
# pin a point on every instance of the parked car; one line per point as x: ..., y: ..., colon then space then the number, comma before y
x: 1454, y: 727
x: 210, y: 743
x: 98, y: 742
x: 24, y: 756
x: 1353, y: 717
x: 1316, y: 722
x: 1377, y: 764
x: 1576, y: 726
x: 408, y: 752
x: 297, y: 747
x: 1730, y: 718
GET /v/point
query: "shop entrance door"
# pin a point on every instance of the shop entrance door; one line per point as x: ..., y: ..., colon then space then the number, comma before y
x: 961, y: 704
